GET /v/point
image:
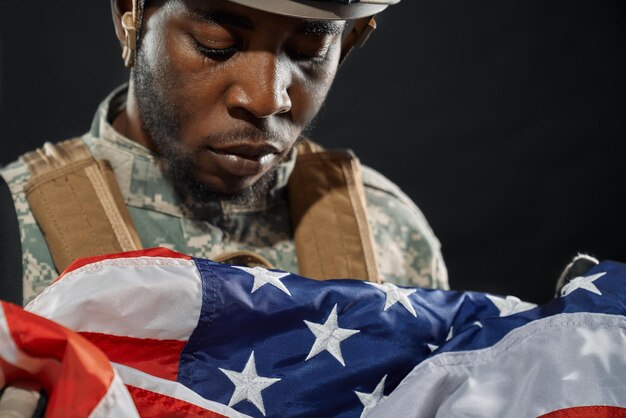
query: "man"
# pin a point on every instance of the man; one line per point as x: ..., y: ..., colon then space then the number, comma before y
x: 202, y: 142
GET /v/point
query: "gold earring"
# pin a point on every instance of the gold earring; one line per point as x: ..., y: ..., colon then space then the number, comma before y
x: 130, y: 30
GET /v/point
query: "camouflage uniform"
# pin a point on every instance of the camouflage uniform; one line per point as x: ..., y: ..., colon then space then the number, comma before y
x: 408, y: 253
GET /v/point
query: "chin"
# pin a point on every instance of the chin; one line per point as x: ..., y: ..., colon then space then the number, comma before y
x: 240, y: 191
x: 229, y: 186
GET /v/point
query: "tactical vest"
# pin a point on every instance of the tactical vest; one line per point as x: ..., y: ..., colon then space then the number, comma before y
x: 81, y: 211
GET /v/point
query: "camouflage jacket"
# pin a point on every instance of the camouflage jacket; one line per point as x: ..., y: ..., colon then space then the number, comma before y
x: 407, y: 251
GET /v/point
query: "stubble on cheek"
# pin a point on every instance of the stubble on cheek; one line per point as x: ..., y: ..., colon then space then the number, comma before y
x: 158, y: 94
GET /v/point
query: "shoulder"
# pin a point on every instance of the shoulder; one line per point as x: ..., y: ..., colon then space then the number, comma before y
x: 17, y: 174
x: 408, y: 251
x: 376, y: 182
x: 387, y: 194
x: 38, y: 267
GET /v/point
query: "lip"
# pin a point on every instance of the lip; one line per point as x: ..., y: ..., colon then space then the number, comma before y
x: 243, y: 160
x: 250, y: 152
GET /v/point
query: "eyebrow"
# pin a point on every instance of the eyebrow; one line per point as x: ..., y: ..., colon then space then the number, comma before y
x: 221, y: 18
x: 308, y: 27
x: 321, y: 27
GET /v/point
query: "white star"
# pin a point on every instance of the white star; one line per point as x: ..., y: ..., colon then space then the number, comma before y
x: 248, y: 385
x: 450, y: 334
x: 370, y: 400
x: 511, y: 305
x: 328, y: 337
x: 583, y: 282
x: 263, y: 276
x: 600, y: 344
x: 395, y: 295
x: 433, y: 347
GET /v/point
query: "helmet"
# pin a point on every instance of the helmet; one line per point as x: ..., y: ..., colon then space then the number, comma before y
x: 320, y: 9
x: 362, y: 12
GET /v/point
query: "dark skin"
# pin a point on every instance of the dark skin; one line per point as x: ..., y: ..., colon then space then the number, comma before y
x: 222, y: 92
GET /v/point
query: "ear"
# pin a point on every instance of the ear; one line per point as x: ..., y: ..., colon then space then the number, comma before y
x: 126, y: 29
x: 118, y: 8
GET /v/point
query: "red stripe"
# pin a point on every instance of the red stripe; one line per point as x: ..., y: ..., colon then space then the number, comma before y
x: 150, y: 404
x: 77, y: 375
x: 44, y: 379
x: 151, y: 252
x: 155, y: 357
x: 587, y: 412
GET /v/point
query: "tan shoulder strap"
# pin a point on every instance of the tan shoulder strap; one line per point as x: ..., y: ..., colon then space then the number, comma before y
x: 327, y: 205
x: 77, y: 203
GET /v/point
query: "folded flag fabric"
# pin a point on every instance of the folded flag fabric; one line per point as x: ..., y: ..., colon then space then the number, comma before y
x: 566, y: 359
x: 191, y: 337
x: 77, y: 377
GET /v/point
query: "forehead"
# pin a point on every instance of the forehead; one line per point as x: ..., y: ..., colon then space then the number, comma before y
x: 228, y: 13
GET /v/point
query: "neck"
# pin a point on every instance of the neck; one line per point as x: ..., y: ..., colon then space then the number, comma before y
x: 128, y: 122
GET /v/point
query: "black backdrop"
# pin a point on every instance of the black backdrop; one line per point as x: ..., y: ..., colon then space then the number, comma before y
x: 503, y: 120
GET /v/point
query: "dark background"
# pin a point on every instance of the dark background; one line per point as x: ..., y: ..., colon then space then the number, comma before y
x: 503, y: 120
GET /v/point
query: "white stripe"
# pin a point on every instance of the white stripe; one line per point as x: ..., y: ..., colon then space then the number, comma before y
x: 175, y: 390
x: 559, y: 362
x: 11, y: 353
x: 116, y: 403
x: 143, y: 297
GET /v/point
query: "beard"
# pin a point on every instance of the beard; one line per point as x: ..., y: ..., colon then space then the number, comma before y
x: 162, y: 119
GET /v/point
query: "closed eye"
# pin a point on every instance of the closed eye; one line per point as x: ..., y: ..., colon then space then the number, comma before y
x: 216, y: 54
x: 318, y: 55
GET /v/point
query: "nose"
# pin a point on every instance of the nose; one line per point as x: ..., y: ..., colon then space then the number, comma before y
x: 261, y: 86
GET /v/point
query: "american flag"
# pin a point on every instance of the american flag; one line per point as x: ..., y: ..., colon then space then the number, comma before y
x: 191, y: 337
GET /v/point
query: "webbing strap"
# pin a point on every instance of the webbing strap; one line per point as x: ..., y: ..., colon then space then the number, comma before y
x: 327, y: 204
x: 77, y: 203
x: 10, y: 249
x: 51, y: 157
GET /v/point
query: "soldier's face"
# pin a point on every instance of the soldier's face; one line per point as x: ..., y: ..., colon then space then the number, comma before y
x: 224, y: 91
